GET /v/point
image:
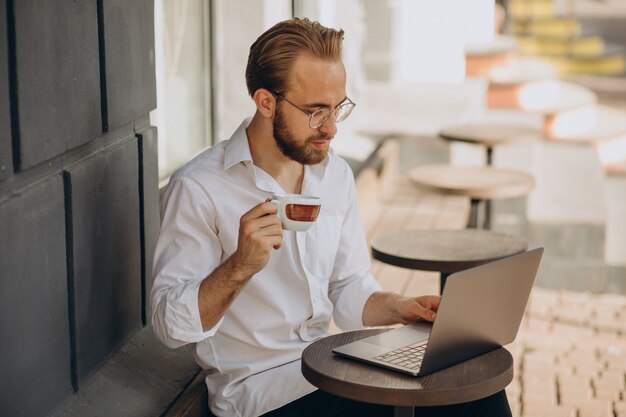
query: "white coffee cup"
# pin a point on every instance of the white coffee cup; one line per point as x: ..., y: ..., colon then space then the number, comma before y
x: 297, y: 212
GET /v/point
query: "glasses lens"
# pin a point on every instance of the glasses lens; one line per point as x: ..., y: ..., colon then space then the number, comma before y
x: 344, y: 111
x: 318, y: 118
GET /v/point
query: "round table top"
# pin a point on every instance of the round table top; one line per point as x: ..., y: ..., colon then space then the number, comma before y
x: 489, y: 134
x: 608, y: 124
x: 483, y: 183
x: 445, y: 250
x: 553, y: 96
x: 471, y: 380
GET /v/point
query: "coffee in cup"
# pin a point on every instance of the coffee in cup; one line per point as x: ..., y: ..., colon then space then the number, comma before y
x: 297, y: 212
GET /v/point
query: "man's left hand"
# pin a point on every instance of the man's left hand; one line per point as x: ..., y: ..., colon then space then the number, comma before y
x: 386, y: 308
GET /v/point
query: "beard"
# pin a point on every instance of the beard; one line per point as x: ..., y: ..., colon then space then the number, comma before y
x: 305, y: 153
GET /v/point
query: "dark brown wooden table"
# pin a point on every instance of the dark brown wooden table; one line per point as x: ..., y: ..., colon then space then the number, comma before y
x: 445, y: 251
x: 471, y: 380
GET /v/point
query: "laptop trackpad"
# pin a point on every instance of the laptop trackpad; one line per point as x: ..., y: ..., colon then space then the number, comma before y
x: 402, y: 336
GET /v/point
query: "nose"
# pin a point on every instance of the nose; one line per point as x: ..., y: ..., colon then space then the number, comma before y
x: 330, y: 126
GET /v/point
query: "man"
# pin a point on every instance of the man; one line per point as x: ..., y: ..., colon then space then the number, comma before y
x: 246, y: 295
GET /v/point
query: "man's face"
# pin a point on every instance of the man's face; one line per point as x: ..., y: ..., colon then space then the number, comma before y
x: 314, y: 84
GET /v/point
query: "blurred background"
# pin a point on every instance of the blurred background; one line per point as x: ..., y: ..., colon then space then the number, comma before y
x: 415, y: 68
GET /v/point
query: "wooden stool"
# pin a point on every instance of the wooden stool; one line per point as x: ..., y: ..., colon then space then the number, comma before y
x: 445, y: 251
x: 478, y: 183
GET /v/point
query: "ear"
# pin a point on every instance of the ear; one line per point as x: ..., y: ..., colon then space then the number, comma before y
x: 265, y: 102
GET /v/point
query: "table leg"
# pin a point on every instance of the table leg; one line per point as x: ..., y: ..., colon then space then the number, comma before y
x: 404, y: 411
x: 489, y: 155
x: 472, y: 222
x: 442, y: 281
x: 487, y: 219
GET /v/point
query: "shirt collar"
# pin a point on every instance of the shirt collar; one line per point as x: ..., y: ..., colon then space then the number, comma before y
x: 238, y: 148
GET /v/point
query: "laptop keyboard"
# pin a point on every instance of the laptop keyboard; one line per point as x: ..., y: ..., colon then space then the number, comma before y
x: 409, y: 356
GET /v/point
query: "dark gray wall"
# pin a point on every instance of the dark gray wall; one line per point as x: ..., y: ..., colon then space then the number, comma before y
x: 6, y: 155
x: 78, y: 191
x: 58, y: 80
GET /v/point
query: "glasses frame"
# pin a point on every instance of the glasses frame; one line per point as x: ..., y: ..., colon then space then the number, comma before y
x: 347, y: 101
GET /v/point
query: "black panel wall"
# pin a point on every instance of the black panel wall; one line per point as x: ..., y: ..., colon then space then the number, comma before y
x: 128, y: 36
x: 35, y: 369
x: 78, y: 198
x: 104, y: 199
x: 6, y: 165
x: 58, y: 77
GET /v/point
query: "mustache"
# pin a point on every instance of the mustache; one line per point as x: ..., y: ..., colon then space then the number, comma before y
x: 318, y: 138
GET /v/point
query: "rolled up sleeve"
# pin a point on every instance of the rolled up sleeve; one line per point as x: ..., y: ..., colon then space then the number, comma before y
x: 187, y: 251
x: 351, y: 283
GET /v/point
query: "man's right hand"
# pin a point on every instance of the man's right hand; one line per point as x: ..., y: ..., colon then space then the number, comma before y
x: 260, y: 231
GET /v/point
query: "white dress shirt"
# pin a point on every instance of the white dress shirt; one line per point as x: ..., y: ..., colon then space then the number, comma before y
x: 253, y: 353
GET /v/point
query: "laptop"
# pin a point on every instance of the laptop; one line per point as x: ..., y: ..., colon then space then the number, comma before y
x: 481, y: 310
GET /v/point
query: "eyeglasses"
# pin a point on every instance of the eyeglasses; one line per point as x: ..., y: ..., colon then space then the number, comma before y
x: 319, y: 117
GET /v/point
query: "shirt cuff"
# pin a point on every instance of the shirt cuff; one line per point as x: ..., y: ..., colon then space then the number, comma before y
x: 182, y: 314
x: 349, y: 307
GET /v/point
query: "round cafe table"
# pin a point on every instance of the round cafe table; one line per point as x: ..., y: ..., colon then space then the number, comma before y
x: 467, y: 381
x: 478, y: 183
x: 445, y: 251
x: 489, y: 135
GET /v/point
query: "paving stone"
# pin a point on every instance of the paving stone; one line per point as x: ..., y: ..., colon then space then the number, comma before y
x: 539, y: 384
x: 606, y: 391
x: 575, y: 399
x: 620, y: 406
x: 606, y: 312
x: 542, y: 303
x: 573, y: 314
x: 596, y: 408
x: 573, y: 330
x: 613, y: 362
x: 533, y: 326
x: 615, y: 379
x: 539, y: 357
x: 548, y: 411
x: 574, y: 381
x: 533, y: 402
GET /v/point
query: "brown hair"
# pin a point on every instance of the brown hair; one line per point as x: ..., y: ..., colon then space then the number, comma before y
x: 273, y: 54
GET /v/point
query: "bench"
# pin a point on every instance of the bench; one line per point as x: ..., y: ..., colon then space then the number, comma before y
x: 193, y: 401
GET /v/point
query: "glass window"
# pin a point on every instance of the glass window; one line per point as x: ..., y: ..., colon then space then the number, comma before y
x: 238, y: 23
x: 183, y: 113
